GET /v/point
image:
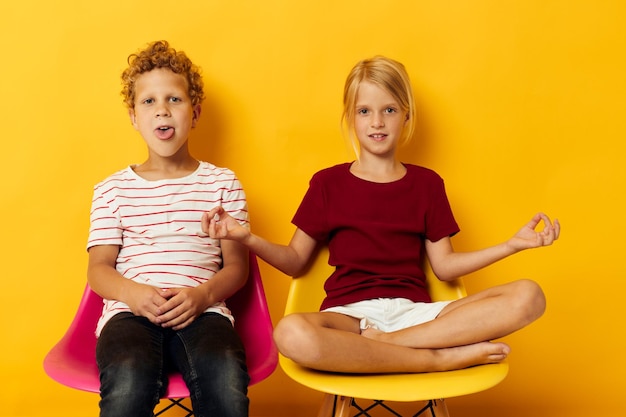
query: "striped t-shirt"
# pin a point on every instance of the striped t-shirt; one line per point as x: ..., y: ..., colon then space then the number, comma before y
x: 157, y: 226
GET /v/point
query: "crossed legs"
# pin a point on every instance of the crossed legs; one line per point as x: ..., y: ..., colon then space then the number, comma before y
x: 458, y: 338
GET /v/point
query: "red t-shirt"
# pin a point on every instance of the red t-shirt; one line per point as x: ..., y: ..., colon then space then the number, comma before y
x: 375, y: 231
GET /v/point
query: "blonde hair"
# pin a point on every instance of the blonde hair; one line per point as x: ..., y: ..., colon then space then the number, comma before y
x: 389, y: 75
x: 160, y: 55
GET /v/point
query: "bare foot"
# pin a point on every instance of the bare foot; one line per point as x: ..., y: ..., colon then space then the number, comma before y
x: 456, y: 357
x: 471, y: 355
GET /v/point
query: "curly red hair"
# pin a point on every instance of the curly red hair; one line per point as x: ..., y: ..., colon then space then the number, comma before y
x: 160, y: 55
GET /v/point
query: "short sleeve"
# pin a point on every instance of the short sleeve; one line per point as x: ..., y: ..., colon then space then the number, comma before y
x: 311, y: 214
x: 235, y: 203
x: 440, y: 220
x: 105, y: 225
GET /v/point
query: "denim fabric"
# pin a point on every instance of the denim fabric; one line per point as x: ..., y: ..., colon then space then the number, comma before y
x: 134, y: 357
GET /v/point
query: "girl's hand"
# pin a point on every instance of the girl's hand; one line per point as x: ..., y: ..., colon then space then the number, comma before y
x: 220, y: 225
x: 528, y: 237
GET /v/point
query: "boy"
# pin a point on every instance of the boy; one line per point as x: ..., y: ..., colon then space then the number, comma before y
x: 163, y: 280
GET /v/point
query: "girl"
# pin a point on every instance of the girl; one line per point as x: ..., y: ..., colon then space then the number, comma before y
x: 379, y: 217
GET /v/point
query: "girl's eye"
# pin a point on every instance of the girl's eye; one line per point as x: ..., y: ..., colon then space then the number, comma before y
x: 362, y: 111
x: 390, y: 110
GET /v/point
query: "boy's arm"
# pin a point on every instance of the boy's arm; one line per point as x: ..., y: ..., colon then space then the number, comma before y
x: 291, y: 259
x: 233, y: 275
x: 449, y: 265
x: 103, y: 278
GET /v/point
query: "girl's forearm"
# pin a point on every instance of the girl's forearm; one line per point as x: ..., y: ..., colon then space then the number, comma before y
x: 282, y: 257
x: 291, y: 259
x: 458, y: 264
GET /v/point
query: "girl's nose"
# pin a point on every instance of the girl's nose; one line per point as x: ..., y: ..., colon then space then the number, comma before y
x: 377, y: 120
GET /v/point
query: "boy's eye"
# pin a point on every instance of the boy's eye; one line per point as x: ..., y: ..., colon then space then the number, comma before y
x: 148, y: 101
x: 175, y: 99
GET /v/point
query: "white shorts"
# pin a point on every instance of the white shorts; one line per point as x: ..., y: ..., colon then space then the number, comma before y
x: 390, y: 314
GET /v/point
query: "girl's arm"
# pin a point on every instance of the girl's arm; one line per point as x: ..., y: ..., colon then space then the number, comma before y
x: 291, y: 259
x: 449, y: 265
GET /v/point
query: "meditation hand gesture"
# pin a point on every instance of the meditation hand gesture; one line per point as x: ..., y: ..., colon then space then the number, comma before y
x: 220, y: 225
x: 528, y: 237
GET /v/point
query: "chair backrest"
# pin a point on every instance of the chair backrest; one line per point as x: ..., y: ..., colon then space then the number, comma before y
x: 254, y: 325
x: 72, y: 361
x: 307, y: 292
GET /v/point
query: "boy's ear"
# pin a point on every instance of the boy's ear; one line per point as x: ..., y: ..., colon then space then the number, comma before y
x: 196, y: 115
x: 133, y: 119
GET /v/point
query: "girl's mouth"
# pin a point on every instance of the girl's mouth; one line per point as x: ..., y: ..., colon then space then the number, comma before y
x: 378, y: 136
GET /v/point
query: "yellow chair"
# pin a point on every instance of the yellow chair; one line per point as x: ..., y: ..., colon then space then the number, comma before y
x: 342, y: 390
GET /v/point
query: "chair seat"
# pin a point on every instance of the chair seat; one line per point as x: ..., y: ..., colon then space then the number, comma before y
x: 399, y: 387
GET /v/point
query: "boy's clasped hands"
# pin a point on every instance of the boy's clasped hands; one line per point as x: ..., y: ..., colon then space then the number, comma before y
x: 167, y: 307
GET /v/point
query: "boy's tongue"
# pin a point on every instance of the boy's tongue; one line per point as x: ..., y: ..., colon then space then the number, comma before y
x: 164, y: 133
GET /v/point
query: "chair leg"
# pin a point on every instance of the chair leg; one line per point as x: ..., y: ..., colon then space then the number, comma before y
x: 327, y: 406
x: 439, y: 408
x: 342, y: 408
x: 175, y: 402
x: 338, y: 406
x: 434, y: 408
x: 335, y: 406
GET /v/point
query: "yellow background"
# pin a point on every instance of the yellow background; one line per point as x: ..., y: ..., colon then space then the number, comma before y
x: 521, y: 109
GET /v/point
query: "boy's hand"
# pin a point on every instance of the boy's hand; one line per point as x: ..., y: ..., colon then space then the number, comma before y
x: 182, y: 307
x: 220, y: 225
x: 145, y: 300
x: 528, y: 237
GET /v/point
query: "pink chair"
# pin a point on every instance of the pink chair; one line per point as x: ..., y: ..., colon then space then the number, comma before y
x: 72, y: 360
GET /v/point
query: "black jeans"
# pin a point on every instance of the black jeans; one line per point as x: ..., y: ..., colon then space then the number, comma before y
x: 135, y: 355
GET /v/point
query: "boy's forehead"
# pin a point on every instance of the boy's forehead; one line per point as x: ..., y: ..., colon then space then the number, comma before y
x: 160, y: 78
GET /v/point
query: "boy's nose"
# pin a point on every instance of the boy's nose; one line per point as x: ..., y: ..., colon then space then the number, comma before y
x: 162, y: 111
